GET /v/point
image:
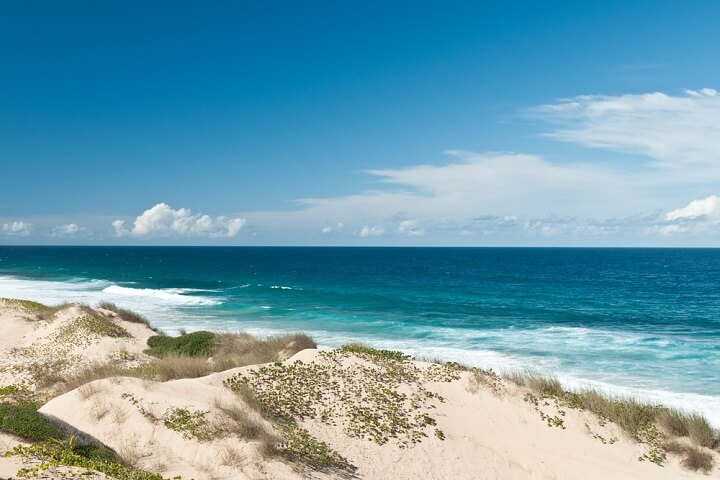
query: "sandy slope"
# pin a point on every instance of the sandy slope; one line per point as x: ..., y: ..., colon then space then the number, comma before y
x: 489, y: 435
x: 31, y: 348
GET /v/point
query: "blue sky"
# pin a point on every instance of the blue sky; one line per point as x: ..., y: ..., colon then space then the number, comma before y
x: 360, y: 123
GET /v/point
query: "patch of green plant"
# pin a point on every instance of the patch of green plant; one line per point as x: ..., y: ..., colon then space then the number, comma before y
x: 48, y: 456
x: 89, y: 326
x: 196, y: 344
x: 14, y: 390
x: 373, y: 354
x: 23, y: 420
x: 143, y: 411
x: 381, y: 398
x: 443, y: 372
x: 191, y: 424
x: 28, y: 306
x: 94, y: 452
x: 301, y: 446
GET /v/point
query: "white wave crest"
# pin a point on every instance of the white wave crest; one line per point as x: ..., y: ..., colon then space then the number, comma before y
x: 176, y: 296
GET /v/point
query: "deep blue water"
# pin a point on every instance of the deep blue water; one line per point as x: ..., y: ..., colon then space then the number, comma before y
x: 636, y: 321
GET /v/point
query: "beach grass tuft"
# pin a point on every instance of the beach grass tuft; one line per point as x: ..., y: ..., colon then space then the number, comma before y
x: 691, y: 457
x: 127, y: 315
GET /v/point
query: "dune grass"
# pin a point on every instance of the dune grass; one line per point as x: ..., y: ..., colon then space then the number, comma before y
x: 652, y: 424
x: 38, y: 310
x: 691, y: 457
x: 193, y: 355
x: 127, y: 315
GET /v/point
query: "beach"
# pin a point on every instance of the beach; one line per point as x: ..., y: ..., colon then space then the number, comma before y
x: 351, y: 412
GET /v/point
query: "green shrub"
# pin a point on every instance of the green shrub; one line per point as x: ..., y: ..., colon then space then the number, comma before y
x: 196, y: 344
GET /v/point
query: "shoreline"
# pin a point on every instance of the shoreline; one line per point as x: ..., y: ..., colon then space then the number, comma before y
x: 708, y: 405
x: 135, y: 381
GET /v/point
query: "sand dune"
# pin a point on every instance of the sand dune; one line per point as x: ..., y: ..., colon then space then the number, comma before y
x: 350, y: 413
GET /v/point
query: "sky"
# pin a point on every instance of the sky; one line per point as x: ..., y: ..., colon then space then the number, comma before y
x: 486, y: 123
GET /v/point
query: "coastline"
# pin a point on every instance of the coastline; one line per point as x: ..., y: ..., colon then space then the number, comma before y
x: 462, y: 422
x: 175, y: 307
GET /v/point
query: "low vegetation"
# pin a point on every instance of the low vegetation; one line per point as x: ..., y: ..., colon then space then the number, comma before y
x: 37, y: 310
x: 691, y: 457
x: 381, y: 396
x: 55, y: 446
x: 23, y: 420
x: 127, y: 315
x: 189, y: 423
x: 650, y: 424
x: 196, y: 344
x: 47, y: 457
x: 377, y: 395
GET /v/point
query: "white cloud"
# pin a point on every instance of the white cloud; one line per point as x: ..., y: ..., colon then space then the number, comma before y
x: 516, y: 198
x: 473, y: 183
x: 698, y: 216
x: 163, y: 220
x: 374, y: 231
x: 17, y: 228
x: 67, y: 230
x: 330, y: 229
x: 119, y: 227
x: 680, y: 131
x: 410, y: 228
x: 706, y: 207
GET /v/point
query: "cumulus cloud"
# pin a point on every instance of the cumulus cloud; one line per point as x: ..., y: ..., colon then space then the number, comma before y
x: 164, y: 221
x: 17, y: 228
x: 706, y: 207
x: 374, y: 231
x: 698, y: 216
x: 675, y: 131
x: 410, y: 228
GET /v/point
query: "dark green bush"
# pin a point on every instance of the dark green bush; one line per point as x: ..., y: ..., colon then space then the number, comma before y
x: 196, y: 344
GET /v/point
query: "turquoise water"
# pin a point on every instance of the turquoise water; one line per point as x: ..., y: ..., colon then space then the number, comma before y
x: 643, y: 322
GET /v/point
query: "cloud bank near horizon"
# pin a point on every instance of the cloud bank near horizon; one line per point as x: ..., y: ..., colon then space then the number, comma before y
x: 652, y: 176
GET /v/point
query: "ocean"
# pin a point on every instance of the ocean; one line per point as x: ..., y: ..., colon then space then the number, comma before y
x: 640, y: 322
